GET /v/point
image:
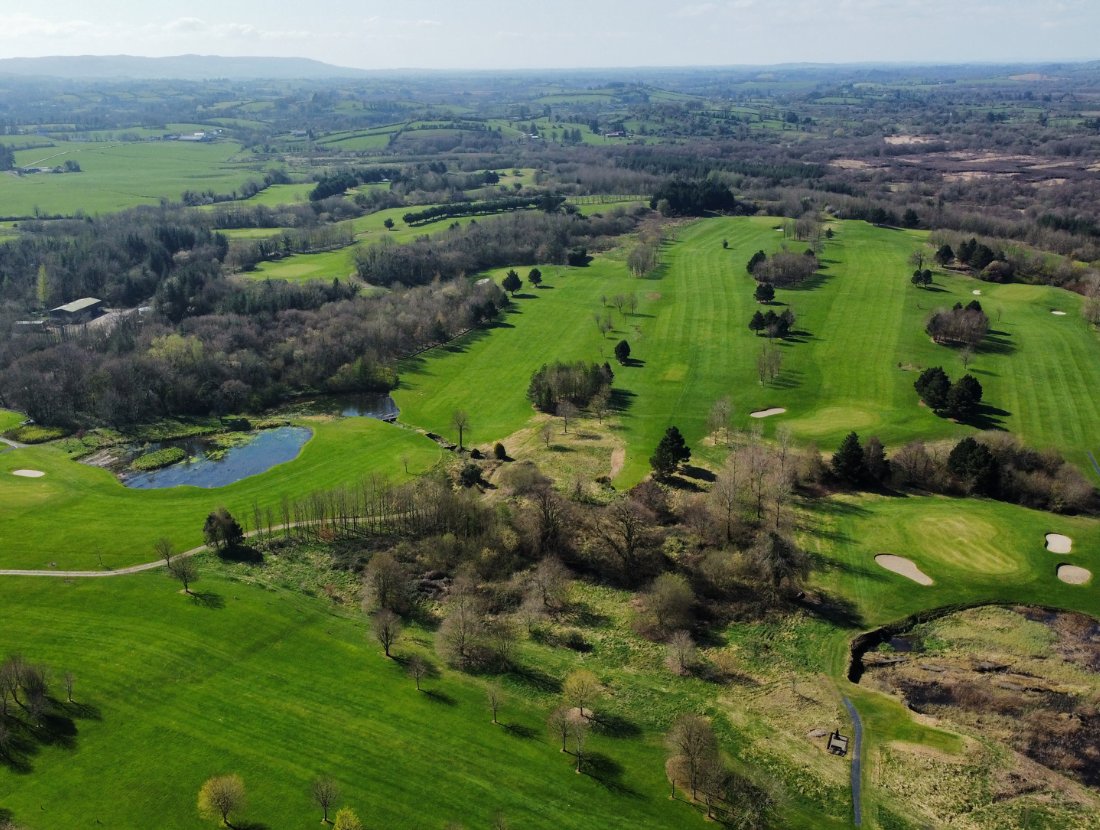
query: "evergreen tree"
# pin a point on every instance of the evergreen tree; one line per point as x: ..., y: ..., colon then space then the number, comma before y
x: 874, y: 460
x: 765, y: 293
x: 847, y: 461
x: 757, y: 258
x: 535, y: 277
x: 965, y: 394
x: 975, y: 465
x: 933, y: 386
x: 944, y: 255
x: 511, y: 282
x: 671, y: 452
x: 757, y: 324
x: 622, y: 352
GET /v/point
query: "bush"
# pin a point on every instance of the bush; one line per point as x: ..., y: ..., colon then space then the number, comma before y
x: 469, y: 475
x: 158, y: 459
x: 35, y: 434
x: 499, y: 452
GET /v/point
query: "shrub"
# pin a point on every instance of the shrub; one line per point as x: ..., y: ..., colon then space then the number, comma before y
x: 158, y: 459
x: 499, y: 452
x: 35, y: 434
x: 469, y: 475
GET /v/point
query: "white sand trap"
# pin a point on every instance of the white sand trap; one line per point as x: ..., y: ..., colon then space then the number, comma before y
x: 767, y: 413
x: 485, y: 281
x: 976, y: 291
x: 28, y: 473
x: 1074, y: 575
x: 1059, y: 313
x: 1057, y: 543
x: 903, y: 566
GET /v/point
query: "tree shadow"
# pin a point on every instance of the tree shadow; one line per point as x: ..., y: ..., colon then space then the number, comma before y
x: 250, y: 825
x: 789, y: 379
x: 608, y: 772
x: 697, y: 473
x: 810, y: 283
x: 241, y: 553
x: 525, y: 297
x: 633, y: 363
x: 585, y: 617
x: 988, y: 417
x: 561, y: 448
x: 207, y: 599
x: 614, y: 726
x: 518, y: 730
x: 537, y: 679
x: 438, y: 696
x: 840, y: 611
x: 997, y: 342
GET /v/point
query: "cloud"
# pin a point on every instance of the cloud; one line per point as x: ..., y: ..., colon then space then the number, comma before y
x: 695, y: 10
x: 185, y: 25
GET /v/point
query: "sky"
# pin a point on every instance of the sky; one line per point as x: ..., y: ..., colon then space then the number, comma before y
x: 522, y: 34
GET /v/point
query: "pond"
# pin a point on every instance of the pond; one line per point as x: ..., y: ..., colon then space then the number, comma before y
x: 262, y: 452
x: 380, y: 406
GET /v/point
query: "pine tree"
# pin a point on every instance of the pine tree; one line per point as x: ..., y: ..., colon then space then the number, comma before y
x: 43, y: 286
x: 764, y: 293
x: 933, y: 386
x: 670, y: 453
x: 511, y: 282
x: 622, y: 351
x: 847, y: 461
x: 757, y: 324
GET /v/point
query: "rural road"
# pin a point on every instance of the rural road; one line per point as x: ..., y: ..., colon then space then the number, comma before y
x: 856, y: 740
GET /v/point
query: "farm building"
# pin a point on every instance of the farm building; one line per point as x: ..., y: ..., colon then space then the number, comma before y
x: 78, y: 311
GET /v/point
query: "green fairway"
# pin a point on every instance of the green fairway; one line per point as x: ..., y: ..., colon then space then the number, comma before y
x: 302, y: 267
x: 121, y: 175
x: 281, y: 689
x: 859, y: 319
x: 82, y: 518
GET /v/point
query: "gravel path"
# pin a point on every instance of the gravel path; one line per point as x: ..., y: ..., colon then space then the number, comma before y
x: 856, y: 741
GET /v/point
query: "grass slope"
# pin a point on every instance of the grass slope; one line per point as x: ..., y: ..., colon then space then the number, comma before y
x: 82, y: 518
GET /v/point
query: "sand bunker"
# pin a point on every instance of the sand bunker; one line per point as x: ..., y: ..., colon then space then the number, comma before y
x: 28, y: 473
x: 1059, y: 313
x: 767, y: 413
x: 976, y: 291
x: 1057, y: 543
x: 1074, y: 575
x: 903, y: 566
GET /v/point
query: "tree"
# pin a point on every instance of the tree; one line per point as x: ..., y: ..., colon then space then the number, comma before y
x: 601, y: 403
x: 347, y: 820
x: 579, y: 729
x: 559, y: 724
x: 874, y: 460
x: 511, y: 282
x: 418, y: 669
x: 725, y: 244
x: 692, y: 738
x: 222, y: 530
x: 385, y: 584
x: 910, y: 219
x: 757, y: 323
x: 221, y: 797
x: 683, y: 656
x: 917, y: 259
x: 755, y: 260
x: 933, y: 386
x: 671, y: 452
x: 966, y: 357
x: 669, y: 599
x: 389, y: 224
x: 975, y: 464
x: 847, y: 461
x: 566, y: 410
x: 325, y: 793
x: 622, y: 352
x: 632, y: 302
x: 964, y: 397
x: 386, y: 628
x: 461, y: 422
x: 546, y: 432
x: 70, y: 680
x: 185, y: 570
x: 534, y: 276
x: 164, y: 550
x: 581, y: 690
x: 720, y: 419
x: 494, y: 696
x: 944, y: 254
x: 549, y: 583
x: 764, y: 293
x: 918, y: 279
x: 43, y: 286
x: 619, y: 300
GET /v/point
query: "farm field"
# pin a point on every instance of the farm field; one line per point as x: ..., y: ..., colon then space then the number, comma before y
x: 121, y: 175
x: 841, y: 374
x: 70, y: 516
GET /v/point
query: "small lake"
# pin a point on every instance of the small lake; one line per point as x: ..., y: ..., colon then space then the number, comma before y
x: 379, y: 406
x: 268, y: 448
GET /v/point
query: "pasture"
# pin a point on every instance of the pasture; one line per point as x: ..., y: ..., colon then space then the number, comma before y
x: 81, y: 518
x: 121, y: 175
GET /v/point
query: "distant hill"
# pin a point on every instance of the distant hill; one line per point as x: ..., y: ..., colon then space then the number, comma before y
x: 181, y: 67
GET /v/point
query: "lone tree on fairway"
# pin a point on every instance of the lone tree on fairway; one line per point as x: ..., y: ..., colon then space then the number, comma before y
x: 164, y: 549
x: 579, y: 729
x: 418, y: 669
x: 461, y: 422
x: 764, y: 293
x: 847, y: 461
x: 918, y: 258
x: 670, y: 454
x: 559, y: 723
x: 511, y: 282
x: 347, y: 820
x: 184, y: 570
x: 534, y: 277
x: 325, y: 793
x: 386, y: 628
x: 70, y: 679
x: 622, y: 352
x: 494, y: 696
x: 933, y: 386
x: 389, y: 224
x: 581, y: 690
x: 221, y: 797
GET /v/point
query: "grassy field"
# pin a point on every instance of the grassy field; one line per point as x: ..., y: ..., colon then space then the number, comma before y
x: 859, y: 320
x: 121, y: 175
x: 72, y: 516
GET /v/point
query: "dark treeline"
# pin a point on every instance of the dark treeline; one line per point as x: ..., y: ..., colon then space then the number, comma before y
x: 513, y: 239
x: 475, y: 208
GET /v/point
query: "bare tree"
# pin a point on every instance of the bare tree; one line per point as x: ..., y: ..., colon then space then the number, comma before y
x: 325, y: 793
x: 966, y: 356
x: 713, y: 780
x: 559, y: 723
x: 494, y: 695
x: 582, y: 689
x: 566, y: 410
x: 601, y: 404
x: 461, y: 422
x: 632, y: 302
x: 405, y: 461
x: 725, y: 496
x: 418, y: 669
x: 385, y: 584
x: 501, y: 637
x: 579, y: 730
x: 460, y: 635
x: 386, y: 628
x: 549, y: 582
x: 669, y: 599
x: 531, y: 612
x: 221, y: 797
x: 70, y: 680
x: 185, y: 570
x: 683, y: 656
x: 693, y: 739
x: 619, y: 300
x: 719, y: 422
x: 547, y: 433
x: 918, y: 258
x: 164, y: 550
x: 625, y: 531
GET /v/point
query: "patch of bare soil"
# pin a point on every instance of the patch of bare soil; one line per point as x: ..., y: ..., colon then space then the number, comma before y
x: 1026, y: 677
x: 907, y: 139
